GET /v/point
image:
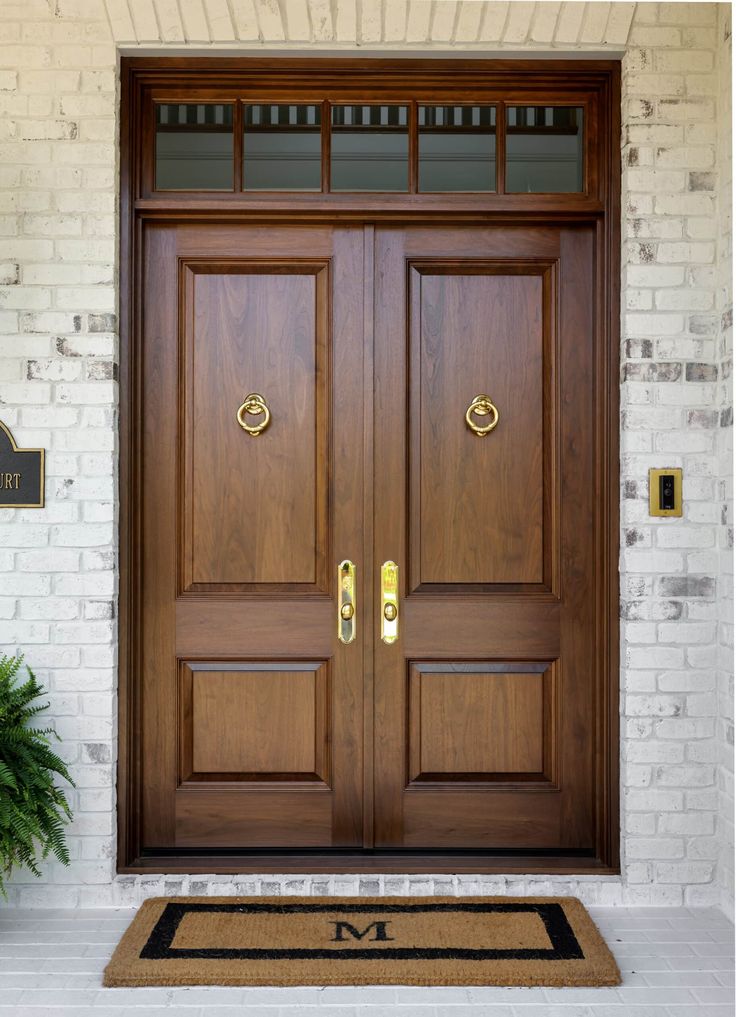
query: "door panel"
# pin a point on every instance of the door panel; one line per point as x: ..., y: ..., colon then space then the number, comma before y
x: 477, y: 507
x: 493, y: 537
x: 248, y: 324
x: 254, y: 722
x: 252, y: 727
x: 470, y: 722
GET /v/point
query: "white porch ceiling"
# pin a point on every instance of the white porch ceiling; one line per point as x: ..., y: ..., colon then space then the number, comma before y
x: 373, y: 23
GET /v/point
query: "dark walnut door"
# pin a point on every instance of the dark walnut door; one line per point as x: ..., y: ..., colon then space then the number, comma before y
x: 484, y: 705
x: 251, y: 495
x: 256, y: 353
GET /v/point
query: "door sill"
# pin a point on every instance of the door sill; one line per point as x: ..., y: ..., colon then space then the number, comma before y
x: 409, y: 863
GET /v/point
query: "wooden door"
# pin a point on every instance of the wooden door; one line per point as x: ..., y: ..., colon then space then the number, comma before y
x: 251, y: 719
x: 485, y: 710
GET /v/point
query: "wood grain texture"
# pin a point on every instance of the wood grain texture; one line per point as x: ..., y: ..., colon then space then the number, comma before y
x: 249, y: 819
x: 479, y: 507
x: 475, y: 725
x: 262, y: 723
x: 158, y: 508
x: 432, y: 818
x: 250, y: 722
x: 256, y: 328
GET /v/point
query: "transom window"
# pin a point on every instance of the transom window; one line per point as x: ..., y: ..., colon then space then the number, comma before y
x: 380, y: 147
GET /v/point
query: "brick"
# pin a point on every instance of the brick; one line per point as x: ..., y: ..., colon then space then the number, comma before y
x: 654, y: 847
x: 684, y: 300
x: 57, y: 560
x: 653, y: 706
x: 683, y: 872
x: 51, y: 321
x: 654, y: 656
x: 684, y: 61
x: 684, y: 728
x: 655, y: 37
x: 685, y: 824
x: 653, y: 324
x: 655, y: 180
x: 655, y: 752
x: 653, y: 800
x: 693, y: 158
x: 31, y: 392
x: 87, y: 392
x: 52, y: 225
x: 685, y: 536
x: 685, y: 252
x: 660, y: 84
x: 682, y: 110
x: 654, y: 275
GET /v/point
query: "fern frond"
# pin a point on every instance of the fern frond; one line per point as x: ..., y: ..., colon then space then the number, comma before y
x: 33, y: 809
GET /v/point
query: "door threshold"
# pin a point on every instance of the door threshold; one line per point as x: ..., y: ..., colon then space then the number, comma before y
x: 389, y: 862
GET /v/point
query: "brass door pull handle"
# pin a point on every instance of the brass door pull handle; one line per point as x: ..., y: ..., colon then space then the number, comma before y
x: 389, y: 602
x: 254, y: 405
x: 346, y: 620
x: 481, y: 406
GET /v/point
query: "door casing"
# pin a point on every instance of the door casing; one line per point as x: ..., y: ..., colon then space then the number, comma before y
x: 595, y: 82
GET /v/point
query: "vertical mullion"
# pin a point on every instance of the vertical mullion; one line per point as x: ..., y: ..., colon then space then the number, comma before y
x: 326, y: 138
x: 238, y: 120
x: 500, y: 148
x: 413, y: 147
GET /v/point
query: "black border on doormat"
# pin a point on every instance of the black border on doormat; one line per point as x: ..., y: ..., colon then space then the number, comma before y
x: 564, y: 942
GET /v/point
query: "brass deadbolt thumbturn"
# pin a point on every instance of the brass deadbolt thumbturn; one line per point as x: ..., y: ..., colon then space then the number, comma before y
x: 347, y: 611
x: 390, y: 612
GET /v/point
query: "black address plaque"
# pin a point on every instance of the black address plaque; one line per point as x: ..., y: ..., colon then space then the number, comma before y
x: 21, y: 473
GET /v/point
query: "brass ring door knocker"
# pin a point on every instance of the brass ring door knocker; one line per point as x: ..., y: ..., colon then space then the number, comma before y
x: 481, y: 406
x: 255, y: 405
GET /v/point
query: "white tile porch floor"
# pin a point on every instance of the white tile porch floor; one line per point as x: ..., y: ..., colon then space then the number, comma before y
x: 676, y: 962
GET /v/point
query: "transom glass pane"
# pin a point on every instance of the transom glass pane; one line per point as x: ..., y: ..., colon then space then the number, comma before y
x: 369, y: 148
x: 194, y: 147
x: 282, y: 148
x: 457, y: 148
x: 544, y: 149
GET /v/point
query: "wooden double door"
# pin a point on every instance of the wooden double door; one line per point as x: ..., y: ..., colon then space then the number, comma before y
x: 307, y: 398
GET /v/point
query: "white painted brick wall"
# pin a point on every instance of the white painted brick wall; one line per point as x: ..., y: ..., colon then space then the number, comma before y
x: 58, y: 353
x: 724, y: 451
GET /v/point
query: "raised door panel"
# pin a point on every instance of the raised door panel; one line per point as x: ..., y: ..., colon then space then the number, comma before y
x: 479, y: 501
x: 481, y: 722
x: 254, y: 721
x: 255, y: 504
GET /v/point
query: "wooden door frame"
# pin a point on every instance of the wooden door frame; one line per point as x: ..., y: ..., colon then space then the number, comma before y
x: 533, y: 81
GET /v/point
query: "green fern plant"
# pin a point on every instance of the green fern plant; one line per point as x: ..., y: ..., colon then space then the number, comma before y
x: 33, y: 810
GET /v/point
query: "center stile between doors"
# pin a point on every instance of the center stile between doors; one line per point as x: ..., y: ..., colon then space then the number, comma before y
x: 369, y: 466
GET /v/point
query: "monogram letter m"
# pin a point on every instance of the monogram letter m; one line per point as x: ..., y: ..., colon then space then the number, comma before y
x: 343, y: 927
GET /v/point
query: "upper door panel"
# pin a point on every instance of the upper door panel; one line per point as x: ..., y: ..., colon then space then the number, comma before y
x: 255, y: 328
x: 480, y: 381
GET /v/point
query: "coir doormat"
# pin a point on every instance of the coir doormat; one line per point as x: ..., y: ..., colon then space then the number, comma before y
x: 362, y: 941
